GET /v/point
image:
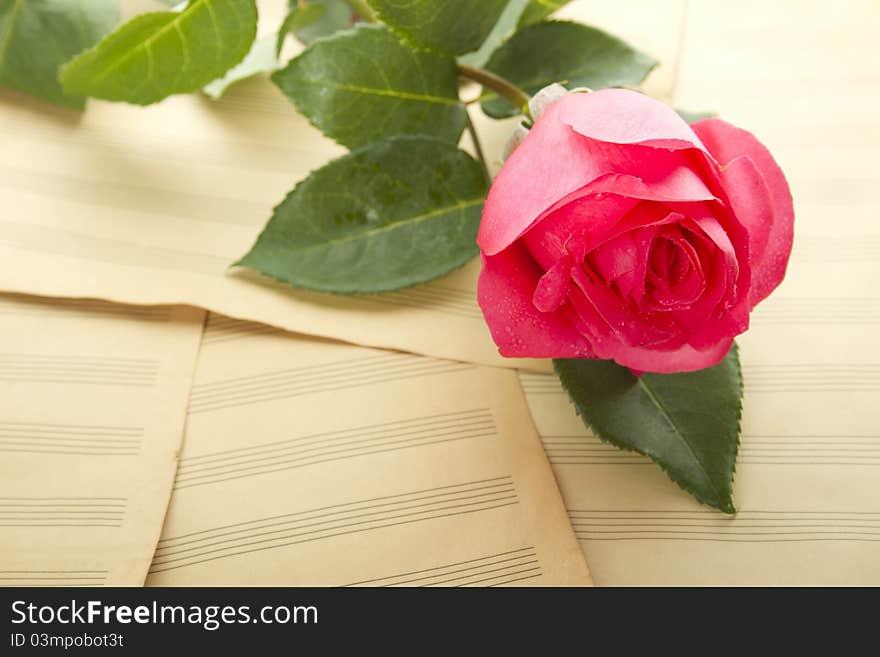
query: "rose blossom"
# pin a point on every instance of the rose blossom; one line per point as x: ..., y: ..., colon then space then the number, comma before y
x: 617, y: 231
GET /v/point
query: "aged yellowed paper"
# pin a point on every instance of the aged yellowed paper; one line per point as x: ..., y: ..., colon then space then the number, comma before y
x: 310, y: 462
x: 91, y: 419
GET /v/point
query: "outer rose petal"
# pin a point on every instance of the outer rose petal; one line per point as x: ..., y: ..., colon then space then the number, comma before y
x: 505, y: 288
x: 555, y: 160
x: 749, y: 199
x: 679, y: 185
x: 549, y: 164
x: 683, y: 359
x: 621, y: 116
x: 727, y: 142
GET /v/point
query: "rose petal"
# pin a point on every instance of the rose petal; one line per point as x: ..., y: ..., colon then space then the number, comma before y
x: 549, y: 164
x: 751, y: 204
x: 727, y: 142
x: 617, y: 258
x: 505, y: 288
x: 675, y: 272
x: 580, y: 222
x: 553, y: 286
x: 717, y: 223
x: 719, y: 313
x: 621, y: 116
x: 682, y: 359
x: 623, y: 260
x: 555, y: 161
x: 675, y: 183
x: 619, y: 316
x: 590, y: 323
x: 714, y: 231
x: 643, y: 216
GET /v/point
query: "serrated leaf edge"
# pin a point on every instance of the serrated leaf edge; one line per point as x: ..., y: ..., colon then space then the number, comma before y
x: 242, y: 262
x: 725, y: 504
x: 654, y: 62
x: 412, y: 41
x: 63, y: 68
x: 330, y: 37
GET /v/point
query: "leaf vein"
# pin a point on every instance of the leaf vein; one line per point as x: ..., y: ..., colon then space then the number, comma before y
x: 664, y: 412
x: 390, y: 93
x: 410, y: 221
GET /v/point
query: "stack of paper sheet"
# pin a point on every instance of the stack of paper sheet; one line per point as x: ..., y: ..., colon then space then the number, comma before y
x: 94, y: 397
x: 304, y: 461
x: 308, y: 461
x: 314, y: 462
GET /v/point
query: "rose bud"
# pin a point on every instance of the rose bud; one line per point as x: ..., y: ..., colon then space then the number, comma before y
x: 617, y: 231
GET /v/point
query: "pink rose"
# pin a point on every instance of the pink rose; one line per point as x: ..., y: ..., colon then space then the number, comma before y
x: 617, y: 231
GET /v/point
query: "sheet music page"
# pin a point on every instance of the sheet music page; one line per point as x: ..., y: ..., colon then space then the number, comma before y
x: 152, y: 205
x: 808, y: 476
x: 310, y: 462
x: 91, y: 419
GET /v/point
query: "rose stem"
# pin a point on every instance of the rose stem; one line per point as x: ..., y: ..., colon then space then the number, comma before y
x: 504, y: 88
x: 478, y: 147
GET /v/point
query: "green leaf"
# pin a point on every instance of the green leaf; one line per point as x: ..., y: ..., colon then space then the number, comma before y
x: 454, y: 26
x: 38, y: 36
x: 693, y: 117
x: 364, y: 84
x: 261, y: 59
x: 538, y: 10
x: 299, y: 18
x: 334, y: 15
x: 394, y: 213
x: 559, y: 51
x: 505, y: 26
x: 159, y: 54
x: 688, y: 423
